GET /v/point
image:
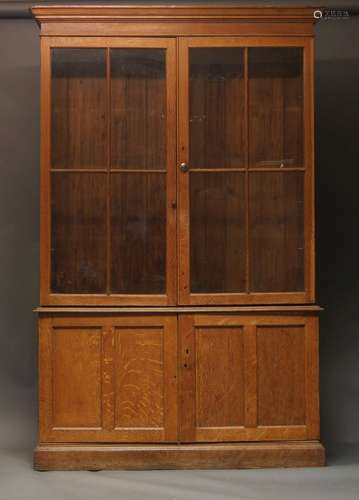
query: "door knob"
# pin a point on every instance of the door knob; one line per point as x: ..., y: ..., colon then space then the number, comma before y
x: 184, y: 167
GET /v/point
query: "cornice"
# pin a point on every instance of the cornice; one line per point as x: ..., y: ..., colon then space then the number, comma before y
x: 171, y: 12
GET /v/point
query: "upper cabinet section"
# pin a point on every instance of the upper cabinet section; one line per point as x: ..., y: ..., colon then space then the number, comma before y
x: 176, y: 169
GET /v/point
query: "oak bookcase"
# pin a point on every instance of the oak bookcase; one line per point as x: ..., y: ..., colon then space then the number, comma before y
x: 177, y: 318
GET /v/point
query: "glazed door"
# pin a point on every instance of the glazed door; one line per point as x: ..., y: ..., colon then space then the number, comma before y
x: 108, y: 171
x: 245, y: 171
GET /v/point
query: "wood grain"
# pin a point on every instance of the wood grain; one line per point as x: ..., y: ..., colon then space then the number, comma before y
x: 76, y: 377
x: 177, y: 19
x: 281, y: 375
x: 303, y: 309
x: 139, y: 384
x: 188, y: 456
x: 108, y: 378
x: 219, y: 377
x: 194, y: 11
x: 246, y: 377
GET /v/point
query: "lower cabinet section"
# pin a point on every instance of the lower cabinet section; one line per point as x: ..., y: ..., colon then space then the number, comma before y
x: 178, y: 378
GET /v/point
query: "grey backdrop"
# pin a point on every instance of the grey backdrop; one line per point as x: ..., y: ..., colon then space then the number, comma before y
x: 337, y: 107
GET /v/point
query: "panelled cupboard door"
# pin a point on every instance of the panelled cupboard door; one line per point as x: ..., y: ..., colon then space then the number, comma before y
x: 248, y: 378
x: 246, y: 165
x: 108, y: 171
x: 108, y: 379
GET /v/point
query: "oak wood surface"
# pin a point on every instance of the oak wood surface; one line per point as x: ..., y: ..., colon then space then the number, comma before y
x: 177, y: 19
x: 190, y: 456
x: 247, y: 377
x: 76, y: 359
x: 281, y: 375
x: 303, y: 309
x: 108, y: 379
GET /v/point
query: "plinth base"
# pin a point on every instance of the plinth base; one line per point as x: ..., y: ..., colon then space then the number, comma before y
x: 183, y: 456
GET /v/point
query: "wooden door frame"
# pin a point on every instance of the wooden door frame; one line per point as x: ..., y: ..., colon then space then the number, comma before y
x: 185, y: 296
x: 46, y: 296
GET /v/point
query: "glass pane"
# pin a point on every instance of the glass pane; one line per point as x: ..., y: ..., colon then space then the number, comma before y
x: 138, y: 233
x: 276, y: 231
x: 216, y: 107
x: 275, y: 107
x: 138, y: 109
x: 78, y: 225
x: 217, y: 232
x: 78, y: 108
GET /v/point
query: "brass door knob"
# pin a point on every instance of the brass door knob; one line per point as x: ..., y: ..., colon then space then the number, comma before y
x: 184, y: 167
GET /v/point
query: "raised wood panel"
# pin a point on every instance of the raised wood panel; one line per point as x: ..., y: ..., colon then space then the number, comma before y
x: 76, y: 377
x: 219, y: 377
x: 139, y: 377
x: 281, y: 375
x: 212, y: 378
